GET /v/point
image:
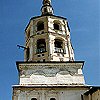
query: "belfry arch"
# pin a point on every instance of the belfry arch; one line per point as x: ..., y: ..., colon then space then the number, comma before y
x: 40, y: 25
x: 57, y: 25
x: 41, y: 46
x: 59, y: 45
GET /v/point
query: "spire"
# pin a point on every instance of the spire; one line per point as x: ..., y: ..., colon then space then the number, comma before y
x: 47, y: 8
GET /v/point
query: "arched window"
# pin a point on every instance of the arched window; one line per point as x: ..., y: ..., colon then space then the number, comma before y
x: 52, y: 99
x: 57, y: 25
x: 59, y: 46
x: 33, y: 99
x: 40, y: 26
x: 58, y: 43
x: 41, y: 46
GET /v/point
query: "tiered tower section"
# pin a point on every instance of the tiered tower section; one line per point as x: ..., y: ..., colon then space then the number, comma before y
x: 48, y: 37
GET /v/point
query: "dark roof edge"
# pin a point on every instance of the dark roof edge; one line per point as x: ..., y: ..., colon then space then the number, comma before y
x: 48, y: 15
x: 23, y: 62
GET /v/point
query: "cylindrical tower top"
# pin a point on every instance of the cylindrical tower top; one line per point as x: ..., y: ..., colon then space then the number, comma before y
x: 47, y: 7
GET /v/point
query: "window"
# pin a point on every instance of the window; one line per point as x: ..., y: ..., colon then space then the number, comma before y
x: 56, y: 26
x: 40, y: 26
x: 41, y: 46
x: 58, y: 43
x: 33, y: 99
x: 59, y: 46
x: 52, y: 99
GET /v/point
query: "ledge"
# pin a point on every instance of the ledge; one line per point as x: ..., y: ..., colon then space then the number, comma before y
x: 51, y: 86
x: 24, y: 62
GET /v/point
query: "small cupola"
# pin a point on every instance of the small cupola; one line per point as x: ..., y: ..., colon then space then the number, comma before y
x: 47, y: 8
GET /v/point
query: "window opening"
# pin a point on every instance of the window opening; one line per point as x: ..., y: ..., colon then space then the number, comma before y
x: 59, y: 46
x: 52, y: 99
x: 56, y: 26
x: 58, y: 43
x: 41, y: 46
x: 40, y: 26
x: 33, y: 99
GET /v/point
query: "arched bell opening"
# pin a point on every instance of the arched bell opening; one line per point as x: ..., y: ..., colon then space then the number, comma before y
x: 57, y: 25
x: 40, y: 26
x: 59, y: 46
x: 41, y: 46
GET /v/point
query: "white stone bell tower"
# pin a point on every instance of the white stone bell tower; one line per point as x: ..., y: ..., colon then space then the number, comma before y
x: 48, y: 37
x: 49, y: 70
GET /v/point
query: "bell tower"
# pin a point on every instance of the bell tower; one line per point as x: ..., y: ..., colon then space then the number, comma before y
x: 48, y: 37
x: 49, y: 70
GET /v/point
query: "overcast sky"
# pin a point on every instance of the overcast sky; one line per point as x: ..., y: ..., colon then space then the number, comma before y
x: 84, y: 22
